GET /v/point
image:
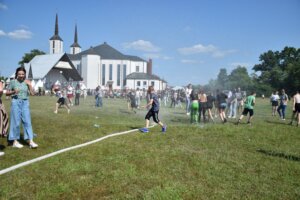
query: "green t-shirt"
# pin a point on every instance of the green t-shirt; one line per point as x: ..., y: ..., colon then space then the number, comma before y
x: 249, y: 103
x: 21, y: 86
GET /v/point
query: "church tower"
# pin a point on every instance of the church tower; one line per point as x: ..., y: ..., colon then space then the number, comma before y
x: 56, y: 43
x: 75, y: 47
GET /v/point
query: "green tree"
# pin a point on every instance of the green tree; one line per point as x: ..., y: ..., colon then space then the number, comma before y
x: 222, y: 79
x: 239, y: 77
x: 28, y: 56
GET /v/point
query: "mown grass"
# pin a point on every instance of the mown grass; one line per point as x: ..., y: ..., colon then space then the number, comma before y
x: 211, y: 161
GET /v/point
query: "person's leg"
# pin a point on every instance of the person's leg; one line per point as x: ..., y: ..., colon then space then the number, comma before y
x: 283, y: 112
x: 15, y: 119
x: 278, y: 110
x: 234, y: 109
x: 26, y: 120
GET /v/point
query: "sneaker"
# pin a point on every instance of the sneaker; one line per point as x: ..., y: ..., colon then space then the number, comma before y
x: 164, y: 129
x: 55, y: 112
x: 144, y: 130
x: 249, y: 123
x: 283, y: 119
x: 188, y: 113
x: 33, y: 145
x: 17, y: 145
x: 68, y: 111
x: 2, y: 153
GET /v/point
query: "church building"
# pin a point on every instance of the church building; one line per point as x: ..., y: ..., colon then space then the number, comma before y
x: 105, y: 66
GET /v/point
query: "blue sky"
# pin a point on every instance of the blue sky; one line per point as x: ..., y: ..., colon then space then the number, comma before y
x: 188, y: 40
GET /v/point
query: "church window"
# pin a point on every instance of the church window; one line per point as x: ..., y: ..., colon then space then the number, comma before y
x: 145, y: 83
x: 119, y: 75
x: 152, y: 83
x: 124, y: 75
x: 110, y: 71
x: 103, y: 74
x: 137, y: 68
x: 138, y: 83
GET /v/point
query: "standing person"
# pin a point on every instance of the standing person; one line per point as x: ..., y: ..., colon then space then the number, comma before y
x: 209, y: 105
x: 3, y: 114
x: 19, y: 91
x: 194, y: 107
x: 222, y: 103
x: 138, y: 98
x: 248, y: 108
x: 77, y: 94
x: 97, y: 96
x: 233, y: 105
x: 173, y: 98
x: 202, y: 105
x: 274, y: 101
x: 283, y: 103
x: 70, y: 95
x: 153, y: 112
x: 61, y: 101
x: 296, y: 108
x: 188, y: 92
x: 240, y: 101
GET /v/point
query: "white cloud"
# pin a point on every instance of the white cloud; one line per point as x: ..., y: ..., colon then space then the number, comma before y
x: 20, y: 34
x: 187, y: 61
x: 141, y: 45
x: 2, y: 33
x: 209, y: 49
x: 3, y: 6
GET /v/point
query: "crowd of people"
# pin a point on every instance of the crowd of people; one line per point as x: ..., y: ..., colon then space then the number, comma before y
x: 200, y: 105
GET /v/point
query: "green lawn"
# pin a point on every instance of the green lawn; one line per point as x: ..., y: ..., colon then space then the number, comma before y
x: 213, y: 161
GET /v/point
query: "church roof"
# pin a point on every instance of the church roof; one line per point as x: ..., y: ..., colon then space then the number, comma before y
x: 40, y: 65
x: 105, y: 51
x: 145, y: 76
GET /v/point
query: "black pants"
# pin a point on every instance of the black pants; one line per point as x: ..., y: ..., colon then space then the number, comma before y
x: 154, y: 114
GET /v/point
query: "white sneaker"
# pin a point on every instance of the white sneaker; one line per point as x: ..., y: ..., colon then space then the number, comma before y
x: 55, y: 112
x: 33, y: 145
x: 68, y: 111
x: 17, y: 145
x: 2, y: 153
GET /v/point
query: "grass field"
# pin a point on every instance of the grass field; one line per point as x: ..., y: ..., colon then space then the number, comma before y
x: 211, y: 161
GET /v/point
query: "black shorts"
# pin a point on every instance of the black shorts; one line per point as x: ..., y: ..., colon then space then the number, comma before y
x: 61, y: 101
x: 274, y: 103
x: 247, y: 110
x: 154, y: 114
x: 297, y: 107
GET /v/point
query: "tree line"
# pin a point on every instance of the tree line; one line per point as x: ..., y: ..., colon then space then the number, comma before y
x: 277, y: 70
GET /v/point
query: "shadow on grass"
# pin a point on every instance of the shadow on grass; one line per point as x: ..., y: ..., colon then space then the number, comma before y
x: 2, y: 147
x: 279, y: 154
x: 277, y: 122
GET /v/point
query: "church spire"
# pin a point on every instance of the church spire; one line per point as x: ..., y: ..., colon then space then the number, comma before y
x: 75, y: 47
x: 56, y: 36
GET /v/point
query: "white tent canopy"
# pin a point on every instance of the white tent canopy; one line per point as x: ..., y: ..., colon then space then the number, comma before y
x: 38, y: 84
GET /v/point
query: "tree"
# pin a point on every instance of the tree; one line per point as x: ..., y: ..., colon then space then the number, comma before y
x: 222, y: 79
x: 239, y: 77
x: 28, y: 56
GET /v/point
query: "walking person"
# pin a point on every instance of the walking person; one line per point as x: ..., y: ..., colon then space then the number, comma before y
x: 153, y: 112
x: 19, y: 90
x: 77, y: 94
x: 209, y: 105
x: 194, y: 107
x: 188, y: 92
x: 70, y: 95
x: 248, y: 108
x: 233, y: 105
x: 138, y: 98
x: 222, y: 103
x: 296, y: 108
x: 274, y: 101
x: 283, y: 103
x: 202, y: 105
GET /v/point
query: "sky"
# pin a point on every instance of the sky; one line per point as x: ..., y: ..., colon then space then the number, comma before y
x: 189, y: 41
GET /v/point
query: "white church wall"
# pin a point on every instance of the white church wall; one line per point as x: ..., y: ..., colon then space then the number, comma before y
x: 91, y: 70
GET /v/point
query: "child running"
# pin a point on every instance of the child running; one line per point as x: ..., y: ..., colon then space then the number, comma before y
x: 61, y: 101
x: 248, y: 108
x: 153, y: 112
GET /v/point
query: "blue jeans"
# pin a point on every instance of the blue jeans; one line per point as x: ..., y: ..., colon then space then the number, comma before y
x: 188, y: 104
x: 98, y: 101
x: 282, y: 108
x: 20, y: 112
